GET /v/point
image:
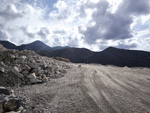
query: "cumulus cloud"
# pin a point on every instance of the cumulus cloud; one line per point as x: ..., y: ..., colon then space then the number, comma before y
x: 4, y: 35
x: 10, y: 13
x: 44, y: 32
x: 126, y: 45
x: 134, y: 7
x: 59, y: 31
x: 62, y: 11
x: 27, y: 33
x: 94, y: 24
x: 114, y: 26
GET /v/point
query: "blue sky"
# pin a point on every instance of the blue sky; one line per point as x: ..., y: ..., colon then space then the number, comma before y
x: 92, y: 24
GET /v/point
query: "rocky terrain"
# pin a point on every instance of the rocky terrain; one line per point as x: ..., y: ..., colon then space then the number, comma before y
x: 27, y: 67
x: 31, y: 83
x: 20, y: 68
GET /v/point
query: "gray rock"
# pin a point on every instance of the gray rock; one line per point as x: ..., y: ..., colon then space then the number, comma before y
x: 2, y: 63
x: 27, y: 68
x: 25, y: 72
x: 33, y: 65
x: 16, y: 71
x: 11, y: 105
x: 32, y: 76
x: 34, y: 81
x: 1, y: 109
x: 44, y: 78
x: 2, y: 70
x: 5, y: 91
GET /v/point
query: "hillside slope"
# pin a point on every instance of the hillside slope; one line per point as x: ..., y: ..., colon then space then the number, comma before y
x: 109, y: 56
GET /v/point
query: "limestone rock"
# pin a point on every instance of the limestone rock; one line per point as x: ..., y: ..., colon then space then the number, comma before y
x: 16, y: 71
x: 34, y: 81
x: 32, y: 76
x: 2, y: 69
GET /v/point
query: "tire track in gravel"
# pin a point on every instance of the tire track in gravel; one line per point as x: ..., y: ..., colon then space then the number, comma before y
x: 114, y: 92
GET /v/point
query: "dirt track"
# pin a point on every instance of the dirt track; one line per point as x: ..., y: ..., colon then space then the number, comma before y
x: 119, y: 90
x: 91, y: 89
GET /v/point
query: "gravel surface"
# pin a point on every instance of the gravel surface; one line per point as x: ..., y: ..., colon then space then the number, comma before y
x: 119, y: 90
x: 61, y: 95
x: 91, y: 89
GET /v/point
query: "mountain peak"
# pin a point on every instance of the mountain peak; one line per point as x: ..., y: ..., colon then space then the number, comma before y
x: 37, y: 41
x: 111, y: 48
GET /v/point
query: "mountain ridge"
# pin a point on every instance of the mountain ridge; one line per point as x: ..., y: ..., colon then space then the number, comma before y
x: 109, y: 56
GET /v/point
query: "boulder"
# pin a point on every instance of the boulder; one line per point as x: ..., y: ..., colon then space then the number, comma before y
x: 25, y: 72
x: 33, y: 65
x: 35, y: 81
x: 32, y: 76
x: 5, y: 91
x: 12, y: 104
x: 27, y: 68
x: 16, y: 71
x: 2, y: 69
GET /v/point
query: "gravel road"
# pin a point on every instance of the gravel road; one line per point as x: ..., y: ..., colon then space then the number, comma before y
x: 91, y: 89
x: 118, y: 90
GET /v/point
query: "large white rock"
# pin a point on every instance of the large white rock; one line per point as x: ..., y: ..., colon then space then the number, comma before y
x: 2, y: 69
x: 32, y: 76
x: 16, y: 71
x: 34, y: 81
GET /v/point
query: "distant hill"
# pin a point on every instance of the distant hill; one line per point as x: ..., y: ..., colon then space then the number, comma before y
x: 109, y: 56
x: 8, y: 45
x: 121, y: 57
x: 36, y: 46
x: 76, y: 55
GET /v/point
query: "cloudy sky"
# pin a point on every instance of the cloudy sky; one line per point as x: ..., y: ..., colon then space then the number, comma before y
x: 92, y: 24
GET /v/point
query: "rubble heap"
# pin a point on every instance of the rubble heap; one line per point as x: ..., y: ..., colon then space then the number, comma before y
x: 27, y: 67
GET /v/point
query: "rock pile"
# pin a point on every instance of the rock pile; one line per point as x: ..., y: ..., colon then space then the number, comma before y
x: 27, y: 67
x: 9, y: 102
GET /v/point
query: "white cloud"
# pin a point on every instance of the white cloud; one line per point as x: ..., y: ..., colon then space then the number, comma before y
x: 94, y: 24
x: 4, y: 35
x: 11, y: 13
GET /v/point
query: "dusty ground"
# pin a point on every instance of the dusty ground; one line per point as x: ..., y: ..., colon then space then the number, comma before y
x: 91, y: 89
x: 119, y: 90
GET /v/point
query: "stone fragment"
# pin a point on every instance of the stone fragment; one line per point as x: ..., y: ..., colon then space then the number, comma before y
x: 2, y: 70
x: 16, y: 71
x: 1, y: 108
x: 44, y: 79
x: 11, y: 105
x: 25, y: 72
x: 27, y: 68
x: 33, y: 65
x: 32, y: 76
x: 5, y: 91
x: 34, y: 81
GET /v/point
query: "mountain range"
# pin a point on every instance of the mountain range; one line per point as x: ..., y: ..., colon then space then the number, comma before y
x: 109, y: 56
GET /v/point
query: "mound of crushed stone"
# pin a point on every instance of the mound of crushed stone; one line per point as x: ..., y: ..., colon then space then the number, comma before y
x: 27, y: 67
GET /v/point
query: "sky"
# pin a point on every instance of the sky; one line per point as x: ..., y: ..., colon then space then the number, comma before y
x: 92, y: 24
